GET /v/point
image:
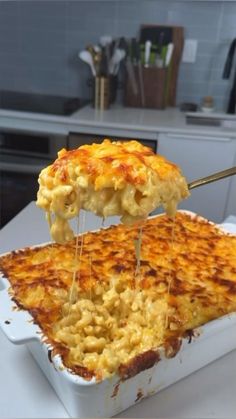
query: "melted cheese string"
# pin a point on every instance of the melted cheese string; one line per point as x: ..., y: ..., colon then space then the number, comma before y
x: 76, y: 272
x: 49, y: 219
x: 137, y: 245
x: 75, y: 263
x: 170, y: 262
x: 90, y: 276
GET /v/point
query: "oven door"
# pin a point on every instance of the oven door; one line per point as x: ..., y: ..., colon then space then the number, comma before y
x: 76, y: 139
x: 18, y: 183
x: 23, y: 155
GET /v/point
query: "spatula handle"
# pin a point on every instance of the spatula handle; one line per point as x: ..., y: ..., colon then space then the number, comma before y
x: 212, y: 178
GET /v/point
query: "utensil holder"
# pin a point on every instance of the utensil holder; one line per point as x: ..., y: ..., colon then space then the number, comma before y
x: 154, y: 82
x: 101, y: 94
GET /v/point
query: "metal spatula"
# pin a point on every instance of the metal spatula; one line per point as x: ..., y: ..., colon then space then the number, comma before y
x: 212, y: 178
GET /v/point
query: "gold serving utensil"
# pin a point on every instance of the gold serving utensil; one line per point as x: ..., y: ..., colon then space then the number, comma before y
x: 212, y: 178
x: 96, y: 56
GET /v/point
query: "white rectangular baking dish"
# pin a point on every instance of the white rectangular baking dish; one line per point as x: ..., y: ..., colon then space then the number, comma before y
x: 86, y: 399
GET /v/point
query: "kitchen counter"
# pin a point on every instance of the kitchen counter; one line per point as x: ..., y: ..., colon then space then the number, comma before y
x: 25, y: 392
x: 170, y: 120
x: 118, y: 120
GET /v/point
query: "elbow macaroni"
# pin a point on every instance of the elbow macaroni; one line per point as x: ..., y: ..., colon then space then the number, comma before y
x: 106, y: 330
x: 111, y: 178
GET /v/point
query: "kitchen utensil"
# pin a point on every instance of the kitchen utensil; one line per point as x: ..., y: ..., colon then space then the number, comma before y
x: 104, y: 71
x: 117, y: 57
x: 135, y: 51
x: 113, y: 78
x: 113, y: 47
x: 137, y: 58
x: 92, y: 51
x: 106, y: 42
x: 96, y: 48
x: 169, y: 54
x: 212, y: 178
x: 97, y: 58
x: 147, y: 52
x: 96, y: 53
x: 159, y: 58
x: 131, y: 75
x: 153, y: 33
x: 129, y: 65
x: 121, y: 55
x: 88, y: 59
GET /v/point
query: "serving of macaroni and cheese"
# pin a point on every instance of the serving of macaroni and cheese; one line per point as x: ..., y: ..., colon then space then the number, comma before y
x: 105, y: 303
x: 117, y: 321
x: 111, y: 178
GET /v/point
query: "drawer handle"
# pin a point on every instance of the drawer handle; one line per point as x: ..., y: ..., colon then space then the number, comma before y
x: 199, y: 137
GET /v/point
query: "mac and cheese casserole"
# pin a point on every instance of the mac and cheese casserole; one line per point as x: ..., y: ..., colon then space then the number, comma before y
x: 111, y: 178
x: 116, y: 324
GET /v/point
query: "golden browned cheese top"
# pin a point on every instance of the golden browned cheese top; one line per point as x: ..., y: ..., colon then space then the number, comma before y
x: 119, y: 319
x: 109, y: 178
x: 126, y: 161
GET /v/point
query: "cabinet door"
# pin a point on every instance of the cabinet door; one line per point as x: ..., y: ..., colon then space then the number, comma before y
x: 231, y: 201
x: 200, y: 156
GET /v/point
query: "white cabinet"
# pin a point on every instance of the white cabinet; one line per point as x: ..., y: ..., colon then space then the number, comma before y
x: 200, y: 156
x: 231, y: 201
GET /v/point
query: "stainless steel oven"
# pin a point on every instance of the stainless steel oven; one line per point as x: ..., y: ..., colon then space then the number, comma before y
x: 22, y: 153
x: 22, y: 156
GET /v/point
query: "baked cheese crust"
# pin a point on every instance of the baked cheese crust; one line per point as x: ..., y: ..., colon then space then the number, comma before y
x: 111, y: 178
x: 117, y: 322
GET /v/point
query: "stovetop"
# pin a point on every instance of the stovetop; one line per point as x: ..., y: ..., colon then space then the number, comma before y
x: 40, y: 103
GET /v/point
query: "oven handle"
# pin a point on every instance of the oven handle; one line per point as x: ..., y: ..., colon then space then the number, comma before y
x: 21, y: 168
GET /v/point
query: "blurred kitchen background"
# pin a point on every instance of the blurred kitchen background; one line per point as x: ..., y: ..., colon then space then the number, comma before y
x: 46, y: 91
x: 40, y: 40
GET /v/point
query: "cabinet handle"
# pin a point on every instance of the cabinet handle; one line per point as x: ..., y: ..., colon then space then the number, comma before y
x: 199, y: 137
x: 21, y: 168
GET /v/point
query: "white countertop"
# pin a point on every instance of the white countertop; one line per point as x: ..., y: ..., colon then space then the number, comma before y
x: 118, y: 120
x: 146, y: 121
x: 25, y: 392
